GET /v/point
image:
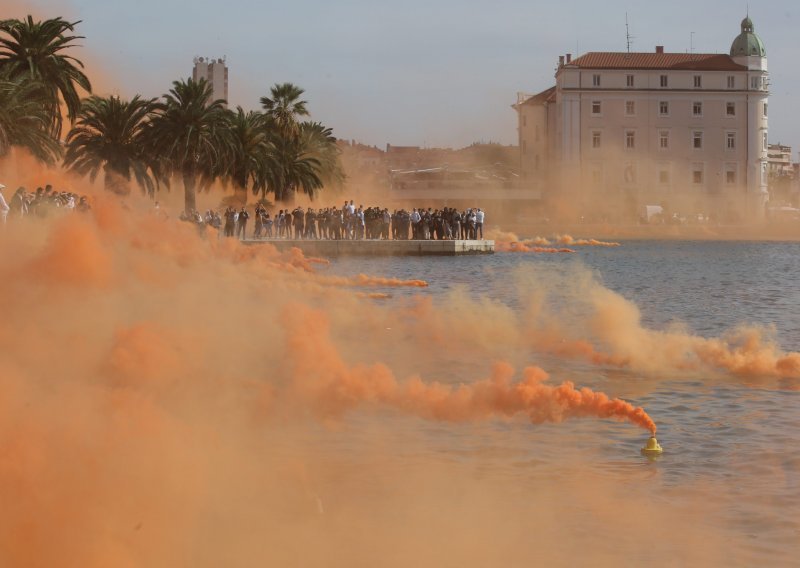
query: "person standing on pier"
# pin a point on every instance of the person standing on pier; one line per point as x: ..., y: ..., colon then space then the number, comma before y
x: 479, y: 216
x: 299, y: 222
x: 242, y: 228
x: 311, y: 226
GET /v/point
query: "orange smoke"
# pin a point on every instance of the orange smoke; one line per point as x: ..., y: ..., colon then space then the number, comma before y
x: 74, y: 255
x: 363, y: 280
x: 620, y: 339
x: 527, y: 246
x: 374, y: 295
x: 571, y: 241
x: 321, y: 377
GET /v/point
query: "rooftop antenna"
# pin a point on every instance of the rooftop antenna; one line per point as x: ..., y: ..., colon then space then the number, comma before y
x: 691, y: 42
x: 628, y: 37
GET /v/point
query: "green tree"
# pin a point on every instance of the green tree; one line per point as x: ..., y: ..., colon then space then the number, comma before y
x: 295, y: 169
x: 108, y: 136
x: 306, y: 153
x: 253, y: 153
x: 36, y: 50
x: 190, y: 135
x: 283, y: 107
x: 318, y: 142
x: 25, y: 120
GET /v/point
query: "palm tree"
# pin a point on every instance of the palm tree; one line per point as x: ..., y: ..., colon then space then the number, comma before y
x: 108, y: 136
x: 295, y: 169
x: 36, y: 50
x: 191, y: 136
x: 283, y: 107
x: 254, y: 153
x: 24, y: 120
x: 318, y: 142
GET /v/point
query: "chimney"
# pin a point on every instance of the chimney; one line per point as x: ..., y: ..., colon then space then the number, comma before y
x: 659, y: 49
x: 569, y: 57
x: 561, y: 61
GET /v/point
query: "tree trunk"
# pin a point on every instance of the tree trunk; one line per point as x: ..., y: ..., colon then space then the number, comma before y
x: 240, y: 189
x: 239, y: 195
x: 115, y: 183
x: 189, y: 198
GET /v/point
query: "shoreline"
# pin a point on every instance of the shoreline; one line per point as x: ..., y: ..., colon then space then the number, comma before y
x: 776, y: 233
x: 373, y: 247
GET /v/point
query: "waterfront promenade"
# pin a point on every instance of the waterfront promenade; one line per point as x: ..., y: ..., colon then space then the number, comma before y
x: 331, y: 248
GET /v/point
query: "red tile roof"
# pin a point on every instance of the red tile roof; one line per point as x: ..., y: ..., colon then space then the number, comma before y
x: 546, y: 96
x: 678, y: 61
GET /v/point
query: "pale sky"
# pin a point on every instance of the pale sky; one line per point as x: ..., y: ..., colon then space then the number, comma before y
x: 414, y: 72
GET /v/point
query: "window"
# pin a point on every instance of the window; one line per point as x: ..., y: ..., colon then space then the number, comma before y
x: 754, y: 83
x: 524, y: 146
x: 664, y: 81
x: 730, y: 141
x: 596, y: 108
x: 697, y: 108
x: 730, y: 109
x: 630, y: 108
x: 663, y: 176
x: 765, y: 109
x: 698, y: 81
x: 595, y: 80
x: 765, y: 142
x: 663, y: 139
x: 524, y: 120
x: 629, y: 173
x: 595, y: 139
x: 630, y: 139
x: 730, y: 174
x: 697, y: 140
x: 697, y: 173
x: 731, y: 81
x: 663, y: 108
x: 629, y: 80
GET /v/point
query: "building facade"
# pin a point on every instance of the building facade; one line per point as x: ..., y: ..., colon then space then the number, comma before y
x: 215, y: 71
x: 624, y: 130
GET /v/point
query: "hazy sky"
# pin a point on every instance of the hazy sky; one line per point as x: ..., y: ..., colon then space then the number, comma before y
x: 414, y: 72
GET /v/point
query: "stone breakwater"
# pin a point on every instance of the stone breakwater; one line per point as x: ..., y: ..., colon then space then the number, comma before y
x: 329, y: 248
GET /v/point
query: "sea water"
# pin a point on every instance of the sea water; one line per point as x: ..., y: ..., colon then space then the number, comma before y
x: 730, y: 474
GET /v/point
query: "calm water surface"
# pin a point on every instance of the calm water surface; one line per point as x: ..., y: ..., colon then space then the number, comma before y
x: 725, y: 441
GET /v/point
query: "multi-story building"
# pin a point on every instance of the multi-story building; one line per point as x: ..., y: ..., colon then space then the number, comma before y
x: 779, y: 158
x: 622, y: 130
x: 215, y: 71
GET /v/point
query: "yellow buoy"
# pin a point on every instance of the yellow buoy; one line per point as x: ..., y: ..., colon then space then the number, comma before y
x: 652, y: 448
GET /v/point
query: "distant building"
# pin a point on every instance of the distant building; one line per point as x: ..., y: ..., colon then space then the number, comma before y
x: 779, y: 158
x: 215, y: 71
x: 631, y: 129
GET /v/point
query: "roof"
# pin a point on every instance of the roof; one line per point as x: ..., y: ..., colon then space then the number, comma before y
x: 673, y: 61
x: 546, y: 96
x: 748, y: 43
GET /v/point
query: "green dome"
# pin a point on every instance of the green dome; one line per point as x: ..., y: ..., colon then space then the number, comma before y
x: 747, y: 42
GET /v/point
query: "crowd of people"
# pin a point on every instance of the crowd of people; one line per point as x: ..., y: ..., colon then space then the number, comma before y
x: 347, y: 222
x: 39, y: 203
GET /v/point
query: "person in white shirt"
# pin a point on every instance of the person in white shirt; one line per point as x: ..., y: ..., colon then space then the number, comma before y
x: 415, y: 219
x: 3, y: 205
x: 479, y: 223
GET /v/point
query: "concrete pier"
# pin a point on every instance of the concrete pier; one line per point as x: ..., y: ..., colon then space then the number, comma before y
x: 380, y: 248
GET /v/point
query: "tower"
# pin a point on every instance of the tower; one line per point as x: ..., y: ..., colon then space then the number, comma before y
x: 748, y: 50
x: 215, y: 71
